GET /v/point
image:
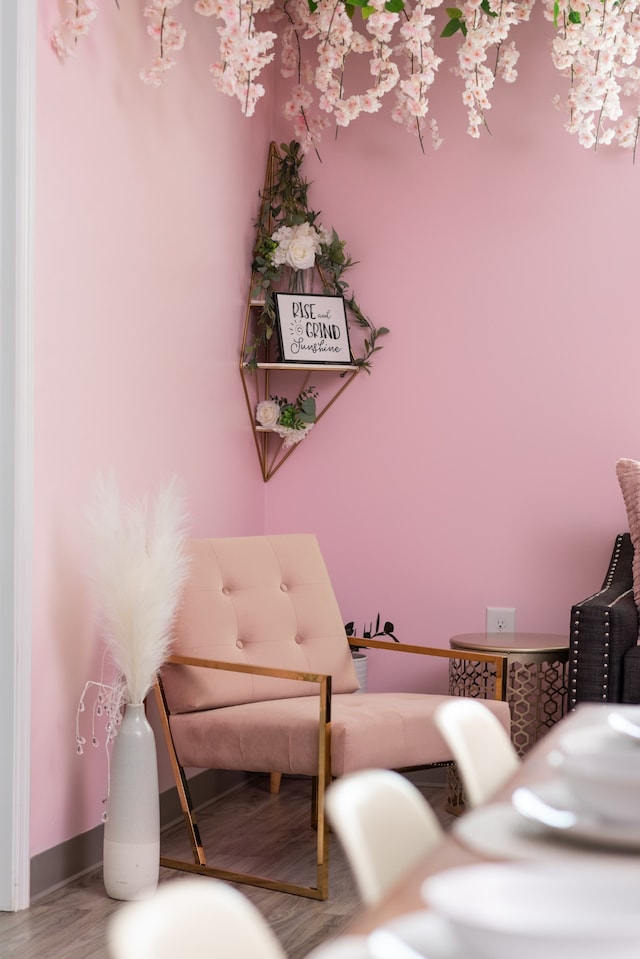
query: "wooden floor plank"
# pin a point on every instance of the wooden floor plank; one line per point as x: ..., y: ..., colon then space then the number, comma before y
x: 247, y: 829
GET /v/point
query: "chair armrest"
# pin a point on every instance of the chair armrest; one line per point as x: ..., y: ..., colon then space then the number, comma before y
x: 248, y: 668
x: 496, y: 659
x: 604, y: 627
x: 323, y: 679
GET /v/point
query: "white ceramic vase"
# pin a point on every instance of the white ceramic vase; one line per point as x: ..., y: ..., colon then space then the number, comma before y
x: 361, y: 667
x: 132, y: 829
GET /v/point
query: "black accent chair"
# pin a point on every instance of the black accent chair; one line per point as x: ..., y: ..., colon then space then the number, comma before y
x: 604, y: 656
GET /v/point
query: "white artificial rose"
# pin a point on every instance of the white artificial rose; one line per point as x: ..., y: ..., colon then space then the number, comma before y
x: 267, y: 413
x: 301, y: 253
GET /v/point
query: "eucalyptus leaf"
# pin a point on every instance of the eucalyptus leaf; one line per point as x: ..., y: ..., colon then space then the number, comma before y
x: 307, y: 410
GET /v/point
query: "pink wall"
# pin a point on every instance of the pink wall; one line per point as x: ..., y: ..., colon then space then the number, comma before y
x: 474, y: 467
x: 144, y: 206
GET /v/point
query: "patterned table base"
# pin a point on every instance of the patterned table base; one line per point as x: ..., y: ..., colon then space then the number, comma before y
x: 537, y: 692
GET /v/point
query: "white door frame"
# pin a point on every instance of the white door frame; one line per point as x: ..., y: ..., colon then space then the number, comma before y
x: 18, y: 19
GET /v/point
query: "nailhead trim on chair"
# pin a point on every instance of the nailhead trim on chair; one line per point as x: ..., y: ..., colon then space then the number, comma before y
x: 595, y: 664
x: 574, y: 671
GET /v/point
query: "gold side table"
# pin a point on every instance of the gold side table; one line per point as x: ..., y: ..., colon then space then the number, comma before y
x: 536, y: 667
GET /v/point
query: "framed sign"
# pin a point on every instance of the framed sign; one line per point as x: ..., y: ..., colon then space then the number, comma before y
x: 313, y: 328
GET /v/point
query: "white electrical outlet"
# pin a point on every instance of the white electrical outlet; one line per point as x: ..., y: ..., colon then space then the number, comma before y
x: 501, y: 619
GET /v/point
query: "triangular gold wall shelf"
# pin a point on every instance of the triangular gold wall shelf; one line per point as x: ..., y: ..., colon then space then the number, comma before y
x: 264, y: 375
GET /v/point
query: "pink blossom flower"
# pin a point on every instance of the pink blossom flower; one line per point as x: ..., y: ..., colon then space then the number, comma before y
x: 74, y: 27
x: 595, y: 50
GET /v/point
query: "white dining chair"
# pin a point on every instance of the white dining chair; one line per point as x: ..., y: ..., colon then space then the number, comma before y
x: 343, y: 947
x: 196, y: 917
x: 384, y: 825
x: 481, y: 747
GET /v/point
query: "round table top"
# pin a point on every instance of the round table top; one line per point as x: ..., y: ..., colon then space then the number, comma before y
x: 510, y: 642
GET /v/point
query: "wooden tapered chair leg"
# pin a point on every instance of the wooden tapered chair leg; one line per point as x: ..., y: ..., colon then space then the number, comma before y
x: 274, y: 783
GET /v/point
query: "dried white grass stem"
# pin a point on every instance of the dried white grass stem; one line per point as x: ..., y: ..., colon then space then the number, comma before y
x: 139, y: 570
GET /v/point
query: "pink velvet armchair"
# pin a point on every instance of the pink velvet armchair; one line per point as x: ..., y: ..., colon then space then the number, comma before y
x: 261, y: 679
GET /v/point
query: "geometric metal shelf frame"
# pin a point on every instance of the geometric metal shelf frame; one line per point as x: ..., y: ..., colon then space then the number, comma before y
x: 268, y: 377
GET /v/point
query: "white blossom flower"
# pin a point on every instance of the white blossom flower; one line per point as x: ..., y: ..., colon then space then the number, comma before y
x: 292, y: 436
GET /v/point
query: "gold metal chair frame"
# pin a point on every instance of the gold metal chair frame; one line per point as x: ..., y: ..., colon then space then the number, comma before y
x: 323, y: 773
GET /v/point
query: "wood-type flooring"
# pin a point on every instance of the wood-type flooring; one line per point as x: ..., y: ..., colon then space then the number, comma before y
x: 251, y: 831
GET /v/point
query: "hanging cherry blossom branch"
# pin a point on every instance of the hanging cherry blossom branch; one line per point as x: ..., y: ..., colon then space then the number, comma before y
x: 330, y: 22
x: 73, y: 27
x: 170, y: 36
x: 421, y: 64
x: 485, y: 24
x: 596, y: 47
x: 244, y: 49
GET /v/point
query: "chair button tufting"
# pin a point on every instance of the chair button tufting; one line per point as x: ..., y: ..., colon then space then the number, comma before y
x: 284, y: 587
x: 239, y: 643
x: 298, y: 640
x: 226, y: 590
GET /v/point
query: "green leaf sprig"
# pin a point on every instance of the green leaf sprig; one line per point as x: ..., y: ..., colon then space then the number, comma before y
x: 456, y: 19
x: 301, y: 412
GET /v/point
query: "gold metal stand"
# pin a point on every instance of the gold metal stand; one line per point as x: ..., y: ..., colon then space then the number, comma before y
x: 261, y: 378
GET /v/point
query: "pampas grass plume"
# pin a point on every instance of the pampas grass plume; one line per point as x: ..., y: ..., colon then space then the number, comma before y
x: 139, y: 571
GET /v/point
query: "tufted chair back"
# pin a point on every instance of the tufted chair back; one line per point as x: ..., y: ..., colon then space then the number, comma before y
x: 260, y: 600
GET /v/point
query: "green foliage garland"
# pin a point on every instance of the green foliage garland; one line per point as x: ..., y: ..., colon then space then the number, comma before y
x: 285, y: 203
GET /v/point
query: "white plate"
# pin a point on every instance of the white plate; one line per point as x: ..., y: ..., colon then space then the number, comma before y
x: 429, y: 934
x: 558, y: 910
x: 587, y: 827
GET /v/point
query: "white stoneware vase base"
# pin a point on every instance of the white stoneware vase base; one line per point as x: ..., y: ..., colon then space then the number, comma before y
x: 132, y: 831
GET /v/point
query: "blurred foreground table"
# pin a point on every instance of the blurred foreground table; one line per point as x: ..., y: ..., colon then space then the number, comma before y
x: 453, y: 851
